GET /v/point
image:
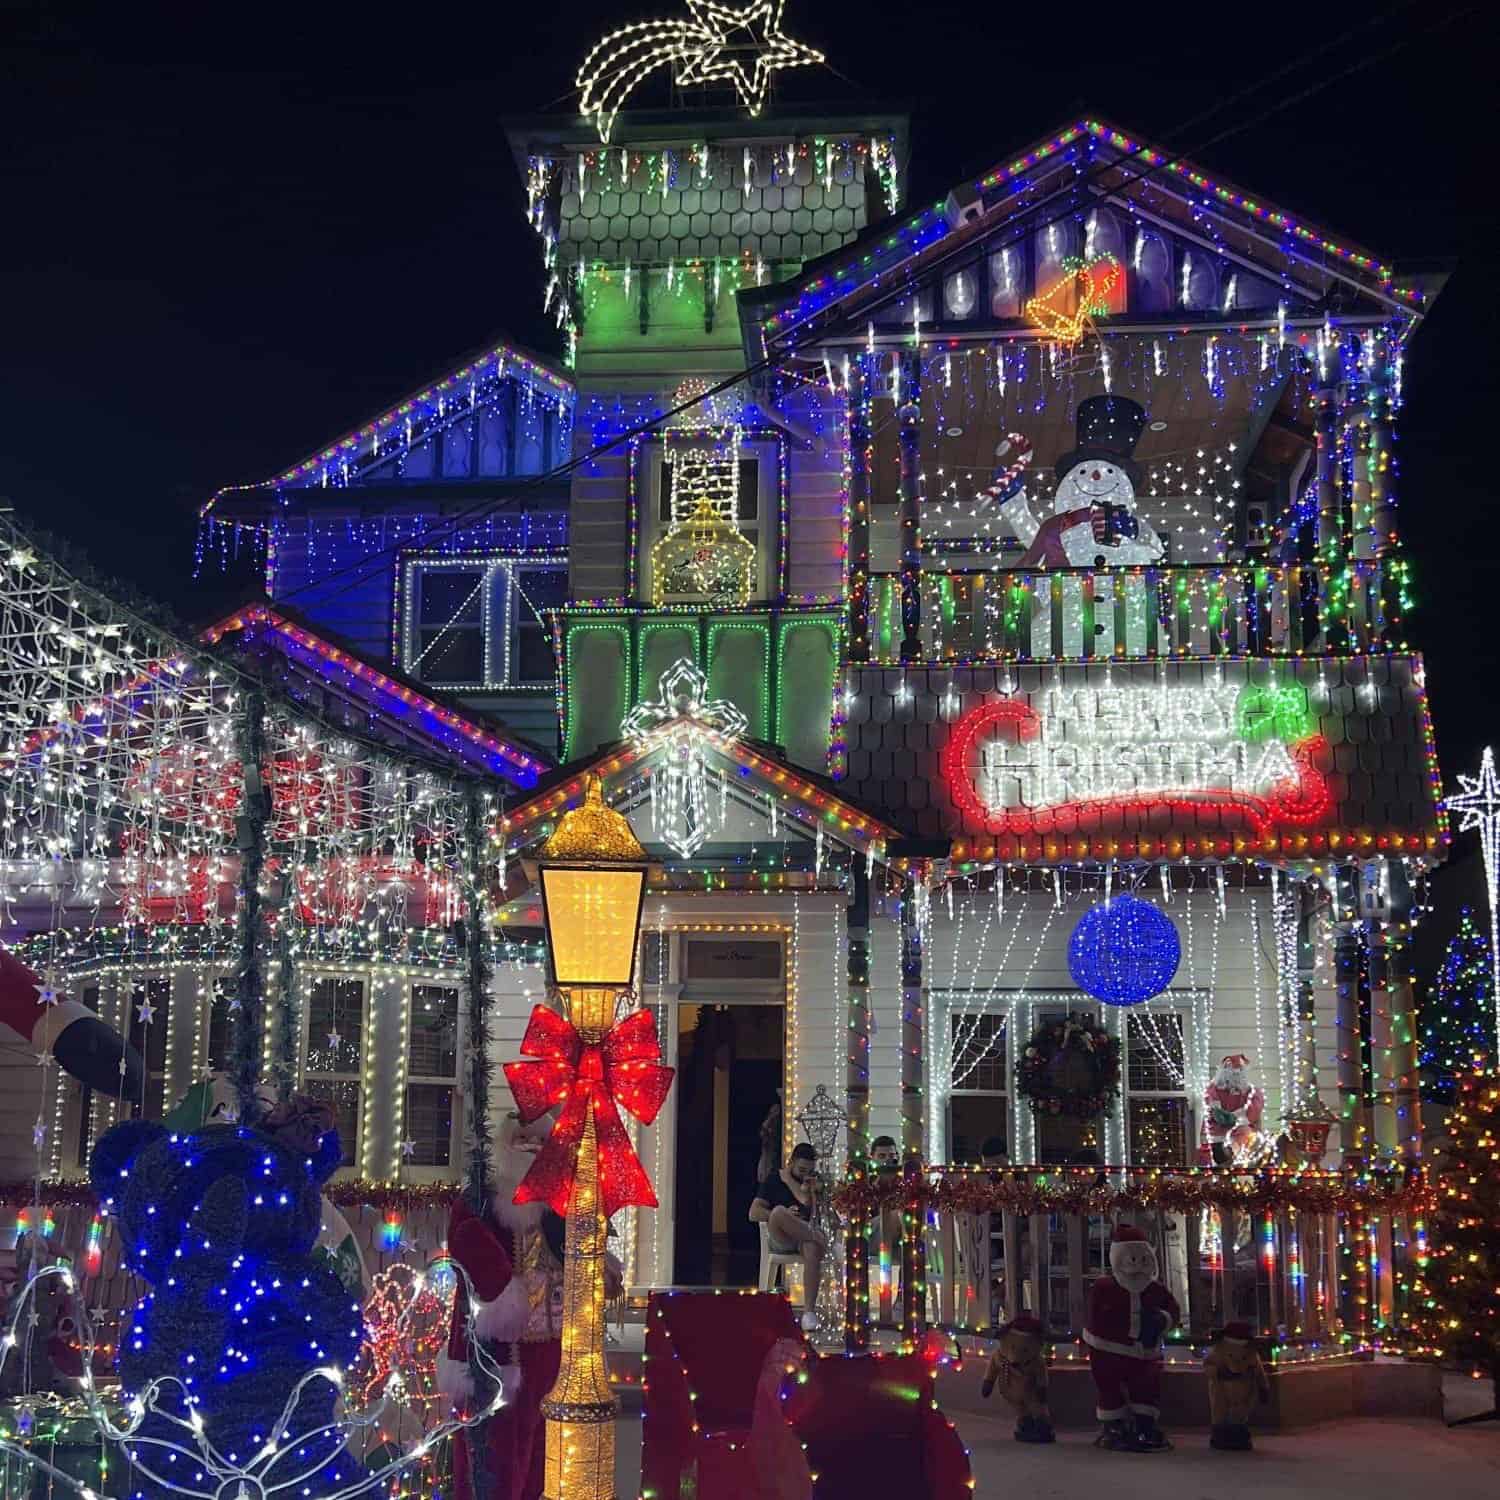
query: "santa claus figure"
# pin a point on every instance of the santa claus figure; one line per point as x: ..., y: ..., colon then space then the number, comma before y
x: 1129, y: 1314
x: 1232, y: 1107
x: 67, y: 1032
x: 1094, y: 521
x: 512, y: 1255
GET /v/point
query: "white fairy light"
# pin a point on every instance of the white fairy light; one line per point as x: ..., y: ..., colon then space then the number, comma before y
x: 738, y: 44
x: 172, y: 1400
x: 1477, y: 803
x: 685, y: 722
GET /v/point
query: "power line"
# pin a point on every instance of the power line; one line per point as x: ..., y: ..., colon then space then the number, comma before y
x: 362, y: 570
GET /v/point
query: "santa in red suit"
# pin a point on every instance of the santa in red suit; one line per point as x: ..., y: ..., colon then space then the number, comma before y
x: 512, y: 1255
x: 1129, y: 1314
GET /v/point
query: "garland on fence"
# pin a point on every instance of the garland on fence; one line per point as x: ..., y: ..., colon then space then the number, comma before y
x: 1091, y: 1045
x: 352, y: 1193
x: 1094, y: 1190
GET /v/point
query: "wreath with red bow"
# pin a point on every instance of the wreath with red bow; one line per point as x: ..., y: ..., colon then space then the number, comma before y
x: 1070, y: 1067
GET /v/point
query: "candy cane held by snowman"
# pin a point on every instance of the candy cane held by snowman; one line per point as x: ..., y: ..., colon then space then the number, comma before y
x: 1094, y: 521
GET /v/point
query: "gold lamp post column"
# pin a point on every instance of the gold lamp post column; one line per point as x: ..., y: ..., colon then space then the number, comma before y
x: 593, y: 878
x: 581, y: 1408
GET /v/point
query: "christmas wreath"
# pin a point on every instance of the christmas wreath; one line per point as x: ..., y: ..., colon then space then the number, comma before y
x: 1069, y: 1067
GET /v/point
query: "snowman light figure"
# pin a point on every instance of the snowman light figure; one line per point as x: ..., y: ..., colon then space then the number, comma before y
x: 1094, y: 521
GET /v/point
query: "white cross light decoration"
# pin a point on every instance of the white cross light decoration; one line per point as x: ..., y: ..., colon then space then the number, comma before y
x: 1477, y: 804
x: 685, y: 718
x: 738, y: 44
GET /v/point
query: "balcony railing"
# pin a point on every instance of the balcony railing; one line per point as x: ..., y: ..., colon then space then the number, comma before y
x: 1142, y: 614
x: 1314, y: 1260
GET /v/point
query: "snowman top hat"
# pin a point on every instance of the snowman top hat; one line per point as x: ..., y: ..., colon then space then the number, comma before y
x: 1108, y: 429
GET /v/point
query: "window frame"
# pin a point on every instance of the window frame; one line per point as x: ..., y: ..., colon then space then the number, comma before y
x: 356, y: 1076
x: 1006, y: 1096
x: 501, y: 603
x: 1176, y: 1004
x: 652, y: 488
x: 412, y: 1169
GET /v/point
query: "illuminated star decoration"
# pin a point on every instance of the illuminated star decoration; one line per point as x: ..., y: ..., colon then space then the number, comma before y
x: 1477, y: 804
x: 684, y: 717
x: 739, y: 44
x: 145, y: 1012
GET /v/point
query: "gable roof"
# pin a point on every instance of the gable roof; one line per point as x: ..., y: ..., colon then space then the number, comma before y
x: 1119, y: 165
x: 412, y: 419
x: 406, y: 710
x: 811, y: 800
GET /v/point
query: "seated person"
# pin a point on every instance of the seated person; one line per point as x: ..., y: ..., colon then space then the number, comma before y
x: 784, y: 1203
x: 885, y: 1157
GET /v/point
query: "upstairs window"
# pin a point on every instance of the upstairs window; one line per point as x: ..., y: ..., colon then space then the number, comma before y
x: 480, y: 624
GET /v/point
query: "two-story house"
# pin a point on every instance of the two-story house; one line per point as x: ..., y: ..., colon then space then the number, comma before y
x: 990, y: 613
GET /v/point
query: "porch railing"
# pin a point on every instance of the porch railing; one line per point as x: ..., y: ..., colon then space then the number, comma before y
x: 1313, y: 1260
x: 1140, y: 614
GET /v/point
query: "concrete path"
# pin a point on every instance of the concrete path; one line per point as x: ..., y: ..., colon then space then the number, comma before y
x: 1365, y: 1460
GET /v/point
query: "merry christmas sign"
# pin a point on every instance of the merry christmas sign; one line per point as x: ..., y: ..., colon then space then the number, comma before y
x: 1166, y: 758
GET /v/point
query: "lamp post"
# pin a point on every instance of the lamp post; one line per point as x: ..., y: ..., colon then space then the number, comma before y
x: 593, y: 879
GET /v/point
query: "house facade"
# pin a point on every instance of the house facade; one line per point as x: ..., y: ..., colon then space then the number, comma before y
x: 989, y: 614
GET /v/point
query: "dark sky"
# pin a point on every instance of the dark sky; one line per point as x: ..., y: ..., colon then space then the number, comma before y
x: 228, y: 233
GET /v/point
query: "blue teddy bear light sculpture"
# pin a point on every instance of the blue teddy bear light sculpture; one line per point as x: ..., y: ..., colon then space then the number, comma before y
x: 222, y: 1222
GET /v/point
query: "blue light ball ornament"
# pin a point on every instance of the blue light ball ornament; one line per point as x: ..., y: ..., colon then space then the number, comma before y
x: 1124, y: 951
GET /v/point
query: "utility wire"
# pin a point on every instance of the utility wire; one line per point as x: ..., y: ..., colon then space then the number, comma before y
x: 366, y: 568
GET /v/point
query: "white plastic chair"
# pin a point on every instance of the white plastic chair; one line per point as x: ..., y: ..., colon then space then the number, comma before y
x: 771, y: 1261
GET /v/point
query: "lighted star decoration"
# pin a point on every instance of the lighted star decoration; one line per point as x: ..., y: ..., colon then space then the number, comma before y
x: 1477, y: 804
x: 145, y: 1012
x: 737, y: 44
x: 683, y: 715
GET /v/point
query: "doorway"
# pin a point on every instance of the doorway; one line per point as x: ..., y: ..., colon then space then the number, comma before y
x: 730, y: 1065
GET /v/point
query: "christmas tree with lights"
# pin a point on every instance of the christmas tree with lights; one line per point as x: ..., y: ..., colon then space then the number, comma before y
x: 1460, y: 1274
x: 1458, y: 1018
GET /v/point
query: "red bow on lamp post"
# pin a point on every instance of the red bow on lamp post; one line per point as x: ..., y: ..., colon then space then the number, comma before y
x: 624, y: 1069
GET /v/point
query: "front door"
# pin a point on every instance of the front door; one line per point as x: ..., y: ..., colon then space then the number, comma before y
x: 730, y: 1065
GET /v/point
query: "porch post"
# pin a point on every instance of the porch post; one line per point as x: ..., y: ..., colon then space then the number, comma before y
x: 1328, y: 542
x: 857, y: 1096
x: 1380, y: 418
x: 909, y: 367
x: 1350, y: 1043
x: 250, y: 839
x: 861, y: 461
x: 914, y: 1234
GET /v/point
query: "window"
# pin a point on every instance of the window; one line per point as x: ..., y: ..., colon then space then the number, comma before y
x: 1151, y: 269
x: 1156, y: 1106
x: 449, y: 635
x: 531, y: 591
x: 431, y: 1074
x: 1199, y: 282
x: 1005, y: 283
x: 481, y: 624
x: 755, y: 508
x: 335, y: 1041
x: 961, y: 293
x: 150, y: 1040
x: 221, y: 1024
x: 979, y: 1099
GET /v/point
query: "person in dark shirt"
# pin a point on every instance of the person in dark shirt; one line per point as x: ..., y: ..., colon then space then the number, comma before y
x: 784, y: 1204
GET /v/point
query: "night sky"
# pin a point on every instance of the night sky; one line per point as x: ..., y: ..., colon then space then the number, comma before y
x: 227, y: 234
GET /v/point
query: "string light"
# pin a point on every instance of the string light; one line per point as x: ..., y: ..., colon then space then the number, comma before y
x: 706, y: 49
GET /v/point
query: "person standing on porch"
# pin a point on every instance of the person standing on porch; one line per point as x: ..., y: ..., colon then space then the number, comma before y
x: 784, y: 1203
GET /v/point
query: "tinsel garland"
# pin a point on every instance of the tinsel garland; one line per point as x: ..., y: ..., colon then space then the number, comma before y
x: 350, y: 1193
x: 1090, y: 1042
x: 1383, y: 1190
